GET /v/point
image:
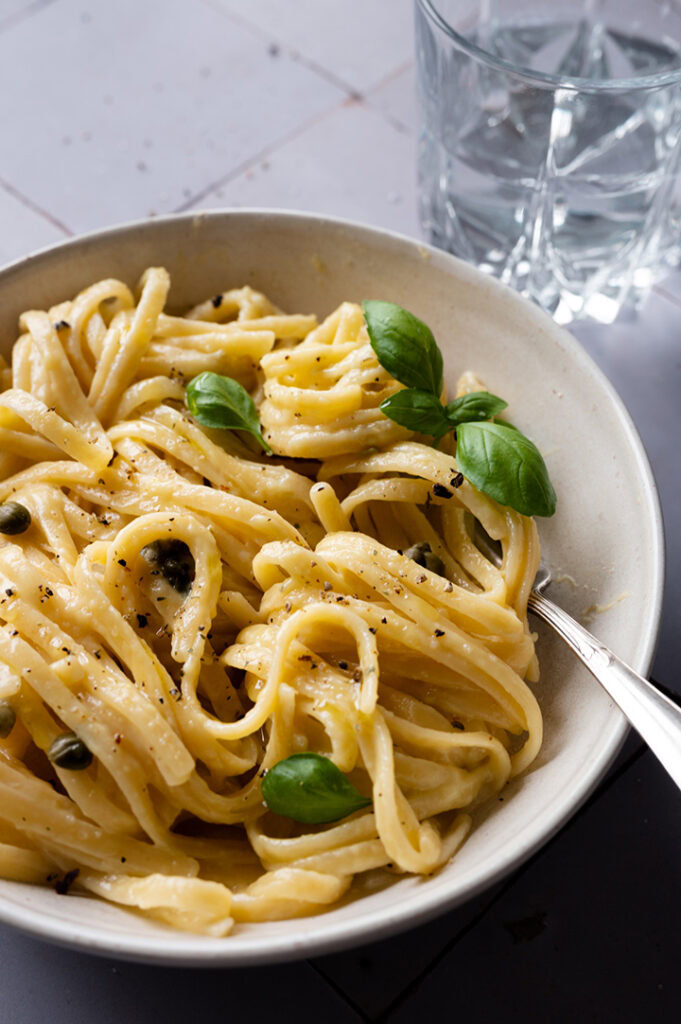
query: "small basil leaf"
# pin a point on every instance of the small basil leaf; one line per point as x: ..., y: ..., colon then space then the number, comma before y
x: 417, y: 410
x: 502, y: 462
x: 404, y: 345
x: 311, y: 789
x: 475, y: 406
x: 222, y: 403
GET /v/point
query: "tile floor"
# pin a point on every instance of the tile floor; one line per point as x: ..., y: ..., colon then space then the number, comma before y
x: 134, y: 108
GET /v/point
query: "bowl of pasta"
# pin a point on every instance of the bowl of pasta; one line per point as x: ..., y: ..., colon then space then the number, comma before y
x: 262, y: 695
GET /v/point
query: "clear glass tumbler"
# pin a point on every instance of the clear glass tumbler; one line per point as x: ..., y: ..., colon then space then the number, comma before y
x: 551, y: 147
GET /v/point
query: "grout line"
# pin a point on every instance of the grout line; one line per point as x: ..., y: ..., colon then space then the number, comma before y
x: 267, y: 150
x: 34, y: 207
x: 294, y: 133
x: 392, y: 75
x: 15, y: 19
x: 351, y: 95
x: 339, y: 992
x: 399, y: 125
x: 416, y: 982
x: 660, y: 289
x: 393, y: 121
x: 331, y: 77
x: 295, y: 55
x: 256, y: 158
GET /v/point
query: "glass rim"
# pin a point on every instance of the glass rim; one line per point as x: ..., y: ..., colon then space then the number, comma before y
x: 541, y: 78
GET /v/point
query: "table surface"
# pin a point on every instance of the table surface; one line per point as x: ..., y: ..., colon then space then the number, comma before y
x: 115, y: 111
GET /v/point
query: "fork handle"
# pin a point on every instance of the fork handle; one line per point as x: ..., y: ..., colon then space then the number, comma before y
x: 656, y: 718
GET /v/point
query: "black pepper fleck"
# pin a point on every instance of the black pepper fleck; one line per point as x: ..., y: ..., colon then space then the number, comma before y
x: 62, y: 885
x: 441, y: 492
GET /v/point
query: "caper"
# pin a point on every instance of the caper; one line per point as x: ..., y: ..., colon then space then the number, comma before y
x: 179, y: 574
x: 152, y: 552
x: 174, y: 560
x: 417, y: 552
x: 68, y: 751
x: 434, y: 563
x: 422, y: 555
x: 7, y: 719
x: 14, y: 518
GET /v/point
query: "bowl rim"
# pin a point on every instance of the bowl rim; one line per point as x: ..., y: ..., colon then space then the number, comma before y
x: 189, y: 950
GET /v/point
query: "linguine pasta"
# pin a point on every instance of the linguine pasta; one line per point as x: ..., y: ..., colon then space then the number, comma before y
x: 295, y: 622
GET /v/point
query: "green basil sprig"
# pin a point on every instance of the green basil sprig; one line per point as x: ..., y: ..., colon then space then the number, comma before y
x: 404, y: 345
x: 222, y: 403
x: 495, y: 457
x: 474, y: 407
x: 424, y: 412
x: 417, y: 410
x: 310, y: 788
x: 502, y: 462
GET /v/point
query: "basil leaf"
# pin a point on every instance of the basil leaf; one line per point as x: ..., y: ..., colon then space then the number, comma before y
x: 475, y: 406
x: 311, y: 789
x: 417, y: 410
x: 502, y: 462
x: 404, y: 345
x: 222, y: 403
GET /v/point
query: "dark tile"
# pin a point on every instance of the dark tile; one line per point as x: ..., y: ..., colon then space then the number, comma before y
x: 42, y: 983
x: 589, y: 932
x: 642, y: 356
x: 375, y: 975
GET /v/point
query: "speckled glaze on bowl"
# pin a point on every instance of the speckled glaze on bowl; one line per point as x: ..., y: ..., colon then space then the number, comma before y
x: 606, y: 535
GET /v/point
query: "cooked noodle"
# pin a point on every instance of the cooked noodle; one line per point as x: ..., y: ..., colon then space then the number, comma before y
x: 304, y: 627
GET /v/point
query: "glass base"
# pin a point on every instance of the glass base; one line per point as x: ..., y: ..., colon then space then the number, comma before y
x: 601, y: 304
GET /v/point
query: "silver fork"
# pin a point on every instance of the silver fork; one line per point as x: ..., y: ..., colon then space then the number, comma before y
x: 656, y: 718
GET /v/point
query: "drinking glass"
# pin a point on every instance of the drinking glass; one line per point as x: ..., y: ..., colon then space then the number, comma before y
x: 551, y: 144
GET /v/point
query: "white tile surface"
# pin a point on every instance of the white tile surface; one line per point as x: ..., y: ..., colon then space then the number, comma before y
x: 671, y: 288
x: 23, y: 230
x: 358, y: 41
x: 11, y: 11
x: 157, y: 100
x: 396, y: 99
x: 352, y: 163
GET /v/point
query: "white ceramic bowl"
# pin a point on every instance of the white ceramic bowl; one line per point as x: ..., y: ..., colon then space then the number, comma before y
x: 607, y: 533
